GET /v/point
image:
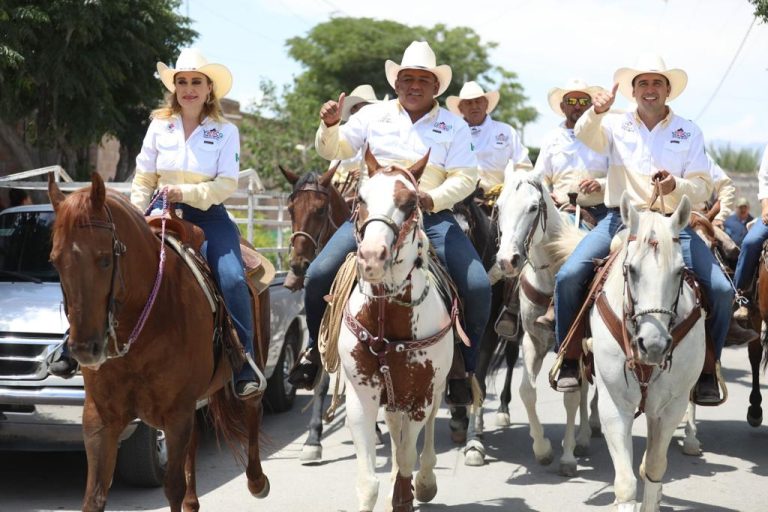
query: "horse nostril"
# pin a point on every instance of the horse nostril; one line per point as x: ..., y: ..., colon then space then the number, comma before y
x: 94, y: 349
x: 641, y: 344
x: 383, y: 253
x: 515, y: 260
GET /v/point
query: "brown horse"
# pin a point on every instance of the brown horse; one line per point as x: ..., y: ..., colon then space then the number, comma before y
x: 106, y: 255
x: 317, y: 209
x: 759, y: 348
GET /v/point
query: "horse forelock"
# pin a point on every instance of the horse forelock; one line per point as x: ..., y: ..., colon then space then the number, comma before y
x: 309, y: 178
x: 655, y: 236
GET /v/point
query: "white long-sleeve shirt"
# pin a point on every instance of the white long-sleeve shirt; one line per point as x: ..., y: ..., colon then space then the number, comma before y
x: 635, y: 154
x: 564, y: 161
x: 451, y: 173
x: 723, y: 189
x: 499, y: 150
x: 206, y: 166
x: 762, y: 177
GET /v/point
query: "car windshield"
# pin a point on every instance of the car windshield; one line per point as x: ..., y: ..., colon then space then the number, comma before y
x: 25, y: 246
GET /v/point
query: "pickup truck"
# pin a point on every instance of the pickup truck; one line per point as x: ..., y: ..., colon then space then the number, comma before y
x: 41, y: 412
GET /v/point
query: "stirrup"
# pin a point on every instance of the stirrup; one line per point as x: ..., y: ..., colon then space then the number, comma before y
x: 720, y: 382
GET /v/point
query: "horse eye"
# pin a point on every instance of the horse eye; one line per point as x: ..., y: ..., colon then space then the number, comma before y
x: 104, y: 261
x: 533, y: 208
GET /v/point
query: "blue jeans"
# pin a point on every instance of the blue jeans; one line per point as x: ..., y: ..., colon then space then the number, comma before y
x: 222, y: 251
x: 573, y: 280
x: 749, y: 257
x: 462, y: 261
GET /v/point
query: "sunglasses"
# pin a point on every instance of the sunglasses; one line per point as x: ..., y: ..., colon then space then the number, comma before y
x: 581, y: 101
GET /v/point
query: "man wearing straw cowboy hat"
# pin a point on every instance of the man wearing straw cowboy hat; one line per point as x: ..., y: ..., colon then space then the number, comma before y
x: 497, y: 145
x: 401, y: 131
x: 566, y: 165
x: 650, y: 144
x: 347, y: 174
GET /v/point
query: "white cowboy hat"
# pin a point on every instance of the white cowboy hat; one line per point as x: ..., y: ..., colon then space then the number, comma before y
x: 419, y: 55
x: 470, y: 91
x: 650, y: 63
x: 556, y: 94
x: 191, y: 59
x: 360, y: 94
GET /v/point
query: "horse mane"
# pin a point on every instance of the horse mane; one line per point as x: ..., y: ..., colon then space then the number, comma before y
x: 563, y: 245
x: 308, y: 178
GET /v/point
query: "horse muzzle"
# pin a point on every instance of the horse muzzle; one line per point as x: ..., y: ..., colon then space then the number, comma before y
x: 371, y: 262
x: 512, y: 265
x: 652, y: 346
x: 90, y: 353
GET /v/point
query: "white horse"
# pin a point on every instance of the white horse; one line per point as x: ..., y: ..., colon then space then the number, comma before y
x: 533, y: 235
x: 403, y: 360
x: 647, y: 290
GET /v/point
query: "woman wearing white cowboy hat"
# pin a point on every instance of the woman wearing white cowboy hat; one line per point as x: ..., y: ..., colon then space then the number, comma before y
x: 497, y: 145
x: 647, y: 146
x: 191, y: 153
x: 401, y: 131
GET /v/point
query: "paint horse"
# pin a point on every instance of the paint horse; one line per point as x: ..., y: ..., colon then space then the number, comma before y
x: 396, y: 339
x: 106, y: 253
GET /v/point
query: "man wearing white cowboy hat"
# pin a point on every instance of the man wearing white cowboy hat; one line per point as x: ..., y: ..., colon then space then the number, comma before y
x: 497, y: 145
x: 401, y: 131
x: 346, y: 176
x: 648, y: 146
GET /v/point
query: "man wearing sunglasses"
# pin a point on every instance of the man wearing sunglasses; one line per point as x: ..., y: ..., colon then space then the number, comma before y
x: 566, y: 166
x: 649, y: 149
x: 497, y: 145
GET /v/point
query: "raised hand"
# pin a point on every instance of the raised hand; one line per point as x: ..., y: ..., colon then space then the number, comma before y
x: 603, y: 101
x: 330, y: 112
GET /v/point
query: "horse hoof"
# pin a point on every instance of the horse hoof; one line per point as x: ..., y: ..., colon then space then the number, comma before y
x: 568, y: 469
x: 502, y: 419
x: 311, y: 453
x: 425, y: 491
x: 754, y: 420
x: 692, y: 448
x: 546, y: 460
x: 581, y: 450
x: 459, y: 436
x: 259, y: 491
x: 474, y: 457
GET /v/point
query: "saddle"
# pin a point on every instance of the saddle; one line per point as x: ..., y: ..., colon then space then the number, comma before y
x: 186, y: 239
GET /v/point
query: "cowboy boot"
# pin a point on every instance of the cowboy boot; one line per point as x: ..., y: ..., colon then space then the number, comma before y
x: 304, y: 373
x: 568, y: 379
x: 547, y: 320
x: 738, y: 335
x: 706, y: 391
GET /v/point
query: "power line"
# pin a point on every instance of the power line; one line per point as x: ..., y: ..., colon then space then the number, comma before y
x: 727, y: 70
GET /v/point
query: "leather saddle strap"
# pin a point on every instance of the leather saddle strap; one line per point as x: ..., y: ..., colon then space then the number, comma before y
x: 533, y: 294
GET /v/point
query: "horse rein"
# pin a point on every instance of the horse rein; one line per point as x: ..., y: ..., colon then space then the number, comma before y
x: 327, y: 225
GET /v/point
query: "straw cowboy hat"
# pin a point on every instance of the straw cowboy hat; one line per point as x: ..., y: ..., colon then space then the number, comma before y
x: 191, y: 59
x: 470, y: 91
x: 650, y: 63
x: 360, y: 94
x: 556, y: 94
x: 419, y: 55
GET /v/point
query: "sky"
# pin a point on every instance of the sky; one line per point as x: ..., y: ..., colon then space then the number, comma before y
x: 546, y: 42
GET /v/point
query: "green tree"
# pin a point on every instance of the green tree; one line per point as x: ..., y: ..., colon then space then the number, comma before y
x: 342, y: 53
x: 72, y: 71
x: 761, y: 9
x: 743, y: 161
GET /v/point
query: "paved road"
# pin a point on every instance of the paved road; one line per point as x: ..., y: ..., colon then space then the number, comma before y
x: 731, y: 475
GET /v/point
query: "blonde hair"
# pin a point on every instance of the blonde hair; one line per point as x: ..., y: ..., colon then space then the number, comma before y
x: 211, y: 107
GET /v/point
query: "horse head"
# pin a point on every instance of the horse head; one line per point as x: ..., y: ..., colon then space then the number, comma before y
x: 525, y: 210
x: 389, y: 225
x: 87, y: 252
x: 653, y: 272
x: 316, y: 209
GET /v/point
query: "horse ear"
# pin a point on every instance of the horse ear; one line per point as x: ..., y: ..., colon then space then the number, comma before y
x: 629, y: 215
x: 371, y: 162
x: 325, y: 179
x: 292, y: 177
x: 418, y: 168
x: 681, y: 216
x: 98, y: 192
x: 54, y: 192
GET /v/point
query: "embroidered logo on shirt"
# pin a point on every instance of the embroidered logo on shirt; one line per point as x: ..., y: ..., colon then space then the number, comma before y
x: 680, y: 134
x: 213, y: 133
x: 628, y: 126
x: 171, y: 126
x: 501, y: 138
x: 442, y: 127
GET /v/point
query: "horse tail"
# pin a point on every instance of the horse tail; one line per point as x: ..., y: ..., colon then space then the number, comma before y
x: 764, y: 342
x: 228, y: 416
x: 563, y: 245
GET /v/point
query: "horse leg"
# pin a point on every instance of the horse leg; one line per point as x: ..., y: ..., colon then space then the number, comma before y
x: 585, y: 429
x: 691, y: 444
x: 312, y: 451
x: 258, y: 483
x: 404, y: 452
x: 361, y: 419
x: 178, y: 435
x: 425, y: 483
x: 542, y: 447
x: 459, y: 423
x: 568, y: 460
x: 617, y: 429
x: 755, y: 411
x: 101, y: 438
x: 594, y: 416
x: 191, y: 503
x: 511, y: 353
x: 654, y: 465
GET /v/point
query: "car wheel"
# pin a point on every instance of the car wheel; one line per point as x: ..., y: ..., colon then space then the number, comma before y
x: 281, y: 393
x: 143, y: 457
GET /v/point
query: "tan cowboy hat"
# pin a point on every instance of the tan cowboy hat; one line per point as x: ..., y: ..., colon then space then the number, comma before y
x: 470, y: 91
x: 742, y: 201
x: 556, y: 94
x: 650, y: 63
x: 419, y: 55
x: 191, y: 59
x: 360, y: 94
